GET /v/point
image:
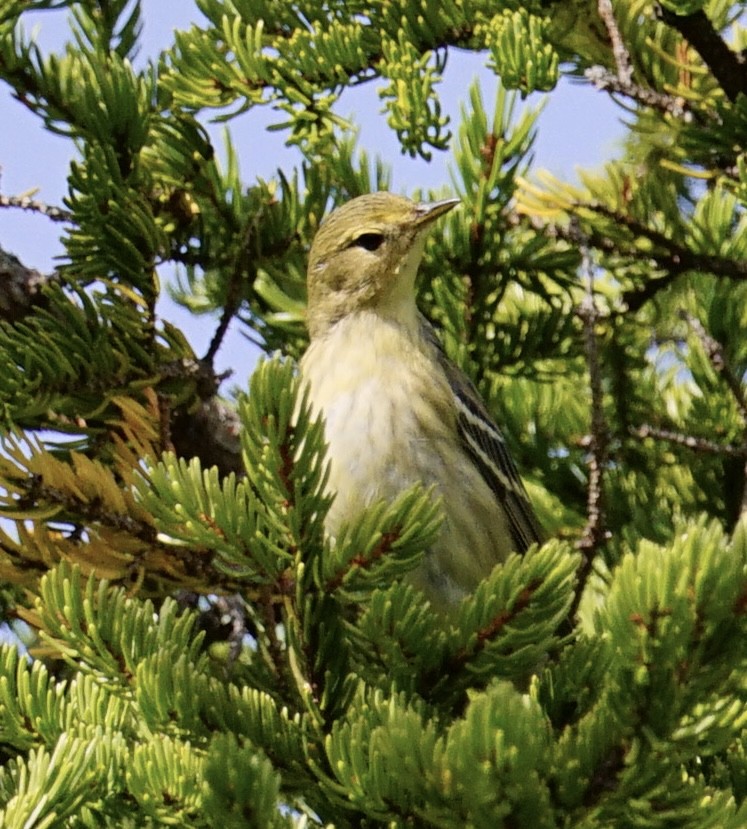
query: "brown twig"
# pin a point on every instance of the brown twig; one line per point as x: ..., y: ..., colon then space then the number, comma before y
x: 243, y: 266
x: 233, y: 300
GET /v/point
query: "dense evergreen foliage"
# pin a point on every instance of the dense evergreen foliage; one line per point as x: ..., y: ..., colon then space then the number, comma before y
x: 201, y: 654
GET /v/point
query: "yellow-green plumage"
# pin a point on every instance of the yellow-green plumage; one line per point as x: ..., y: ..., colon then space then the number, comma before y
x: 393, y: 406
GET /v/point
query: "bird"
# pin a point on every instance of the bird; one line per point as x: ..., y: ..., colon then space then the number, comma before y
x: 397, y: 410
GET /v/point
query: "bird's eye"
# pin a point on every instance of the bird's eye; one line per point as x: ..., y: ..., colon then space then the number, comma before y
x: 369, y: 241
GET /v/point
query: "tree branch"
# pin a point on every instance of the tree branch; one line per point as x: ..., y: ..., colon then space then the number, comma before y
x: 697, y: 444
x: 20, y: 288
x: 597, y: 441
x: 210, y: 431
x: 715, y: 353
x: 717, y: 357
x: 619, y: 50
x: 675, y: 258
x: 242, y: 266
x: 602, y: 78
x: 56, y: 214
x: 727, y: 66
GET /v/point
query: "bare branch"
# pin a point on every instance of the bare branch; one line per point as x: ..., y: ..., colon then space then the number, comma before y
x: 621, y: 82
x: 672, y: 104
x: 243, y: 271
x: 619, y: 50
x: 697, y: 444
x: 597, y: 441
x: 56, y: 214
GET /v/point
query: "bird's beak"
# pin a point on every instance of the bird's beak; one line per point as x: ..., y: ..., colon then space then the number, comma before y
x: 427, y: 212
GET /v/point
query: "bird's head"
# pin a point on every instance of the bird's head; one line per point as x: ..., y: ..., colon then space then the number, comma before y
x: 365, y: 257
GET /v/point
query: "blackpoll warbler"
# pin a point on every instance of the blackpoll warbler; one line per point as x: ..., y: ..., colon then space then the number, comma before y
x: 397, y: 411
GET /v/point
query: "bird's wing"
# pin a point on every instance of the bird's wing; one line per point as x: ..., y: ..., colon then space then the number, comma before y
x: 487, y: 449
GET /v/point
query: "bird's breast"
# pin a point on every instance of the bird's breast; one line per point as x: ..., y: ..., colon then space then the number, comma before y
x: 388, y: 411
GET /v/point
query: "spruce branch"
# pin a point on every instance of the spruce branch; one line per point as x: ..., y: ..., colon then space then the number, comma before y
x: 490, y: 631
x: 24, y: 564
x: 672, y: 257
x: 680, y: 261
x: 729, y: 68
x: 29, y: 91
x: 675, y: 258
x: 362, y: 562
x: 717, y: 357
x: 209, y: 432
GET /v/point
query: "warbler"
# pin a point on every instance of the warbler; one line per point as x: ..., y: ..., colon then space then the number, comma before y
x: 396, y: 409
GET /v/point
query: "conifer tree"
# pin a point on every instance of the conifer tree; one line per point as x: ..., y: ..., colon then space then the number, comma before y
x: 200, y: 653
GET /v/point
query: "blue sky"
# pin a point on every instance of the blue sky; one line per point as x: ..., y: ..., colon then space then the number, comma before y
x: 579, y: 127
